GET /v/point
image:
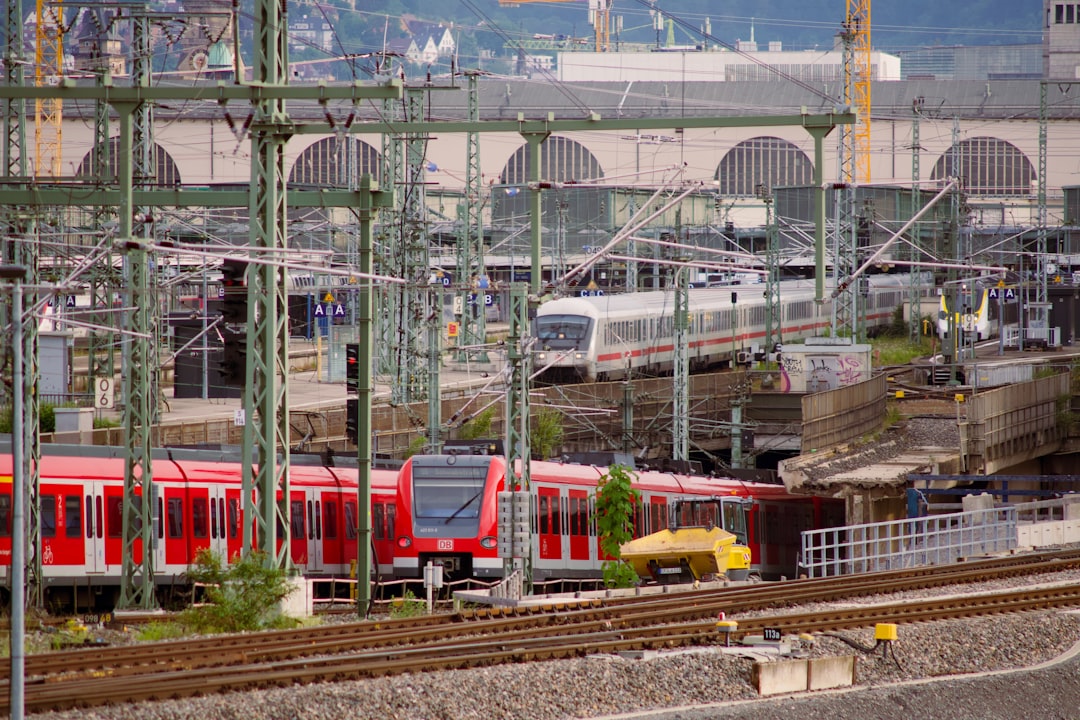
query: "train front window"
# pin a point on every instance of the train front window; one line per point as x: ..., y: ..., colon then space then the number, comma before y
x: 448, y: 492
x: 563, y: 332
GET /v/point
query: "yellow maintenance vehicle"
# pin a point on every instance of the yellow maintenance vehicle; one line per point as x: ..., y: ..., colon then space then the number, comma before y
x: 695, y: 546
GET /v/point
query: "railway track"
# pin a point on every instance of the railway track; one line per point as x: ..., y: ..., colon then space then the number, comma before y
x: 371, y: 649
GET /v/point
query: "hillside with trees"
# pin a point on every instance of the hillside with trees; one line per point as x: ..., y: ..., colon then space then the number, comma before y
x: 803, y: 25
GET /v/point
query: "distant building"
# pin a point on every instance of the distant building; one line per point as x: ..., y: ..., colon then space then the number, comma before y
x: 975, y: 62
x: 311, y: 31
x: 664, y: 65
x: 434, y: 41
x: 1061, y: 41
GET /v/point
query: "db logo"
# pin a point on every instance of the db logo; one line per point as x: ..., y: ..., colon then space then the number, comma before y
x: 446, y: 545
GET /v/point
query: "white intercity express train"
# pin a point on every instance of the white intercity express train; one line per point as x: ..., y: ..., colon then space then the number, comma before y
x: 611, y: 337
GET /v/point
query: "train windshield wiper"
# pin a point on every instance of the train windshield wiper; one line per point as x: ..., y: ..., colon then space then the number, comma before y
x: 468, y: 502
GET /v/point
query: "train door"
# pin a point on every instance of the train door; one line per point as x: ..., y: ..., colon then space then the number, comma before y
x: 549, y: 523
x: 200, y: 520
x: 234, y: 517
x: 114, y: 526
x: 60, y: 516
x: 298, y: 539
x: 313, y: 503
x: 94, y: 527
x: 219, y: 532
x: 187, y: 525
x: 579, y: 529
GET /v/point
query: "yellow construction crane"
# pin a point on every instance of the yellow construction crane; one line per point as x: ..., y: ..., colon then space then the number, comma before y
x: 48, y: 69
x: 599, y: 18
x: 857, y: 90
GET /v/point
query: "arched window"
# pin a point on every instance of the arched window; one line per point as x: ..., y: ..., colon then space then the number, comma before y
x: 561, y: 159
x: 328, y: 163
x: 762, y: 161
x: 987, y: 166
x: 166, y: 175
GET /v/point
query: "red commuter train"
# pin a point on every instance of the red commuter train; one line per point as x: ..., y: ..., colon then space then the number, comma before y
x: 446, y: 514
x: 197, y: 504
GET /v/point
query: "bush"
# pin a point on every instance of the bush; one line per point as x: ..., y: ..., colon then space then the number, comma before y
x: 615, y: 500
x: 244, y: 595
x: 407, y: 606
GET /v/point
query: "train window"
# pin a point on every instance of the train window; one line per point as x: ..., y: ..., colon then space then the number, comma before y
x: 310, y: 520
x: 658, y: 515
x: 562, y: 332
x: 318, y: 519
x: 330, y: 522
x: 47, y: 516
x: 234, y: 517
x: 545, y: 510
x: 564, y: 521
x: 592, y: 517
x: 72, y: 515
x: 350, y: 521
x: 198, y: 517
x: 176, y: 517
x: 639, y: 519
x: 213, y: 520
x: 221, y: 518
x: 296, y: 518
x: 114, y: 516
x: 378, y: 522
x: 5, y: 515
x: 160, y: 524
x: 575, y: 516
x: 391, y: 516
x: 89, y: 517
x: 686, y: 515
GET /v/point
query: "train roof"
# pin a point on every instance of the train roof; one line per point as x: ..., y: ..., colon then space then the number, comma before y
x: 65, y: 467
x: 651, y: 302
x: 651, y: 480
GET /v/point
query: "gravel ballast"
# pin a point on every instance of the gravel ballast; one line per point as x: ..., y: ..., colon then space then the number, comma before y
x: 614, y: 686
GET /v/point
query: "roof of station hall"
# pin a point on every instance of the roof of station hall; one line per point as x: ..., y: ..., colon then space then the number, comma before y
x: 505, y: 99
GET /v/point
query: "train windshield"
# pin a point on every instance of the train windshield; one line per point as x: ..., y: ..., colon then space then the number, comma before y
x: 563, y: 332
x: 727, y: 513
x: 448, y: 492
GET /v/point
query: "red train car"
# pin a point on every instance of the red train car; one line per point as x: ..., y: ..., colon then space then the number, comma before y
x: 446, y: 508
x: 196, y: 505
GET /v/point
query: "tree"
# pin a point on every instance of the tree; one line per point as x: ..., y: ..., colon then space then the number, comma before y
x: 546, y: 433
x: 615, y: 501
x: 479, y: 427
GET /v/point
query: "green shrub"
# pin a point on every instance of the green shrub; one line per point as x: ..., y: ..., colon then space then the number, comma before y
x: 46, y: 419
x: 407, y: 606
x: 244, y: 595
x: 615, y: 500
x: 158, y: 631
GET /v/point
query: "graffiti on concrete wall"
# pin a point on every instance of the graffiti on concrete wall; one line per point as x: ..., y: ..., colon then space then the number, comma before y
x: 802, y: 372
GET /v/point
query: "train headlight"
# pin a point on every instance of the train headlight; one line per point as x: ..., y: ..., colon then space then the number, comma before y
x: 541, y: 356
x: 579, y: 356
x: 489, y: 543
x: 404, y: 541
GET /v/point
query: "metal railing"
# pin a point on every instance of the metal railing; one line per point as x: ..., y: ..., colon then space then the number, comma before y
x: 898, y: 544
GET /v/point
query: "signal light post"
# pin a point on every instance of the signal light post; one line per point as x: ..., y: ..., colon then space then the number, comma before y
x: 234, y: 296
